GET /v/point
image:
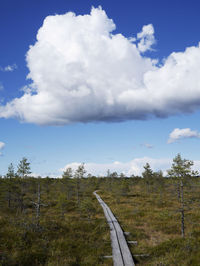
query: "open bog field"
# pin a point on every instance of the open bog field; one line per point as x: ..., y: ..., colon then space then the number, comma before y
x: 150, y: 211
x: 45, y: 222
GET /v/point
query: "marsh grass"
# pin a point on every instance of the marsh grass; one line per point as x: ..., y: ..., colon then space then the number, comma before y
x: 69, y: 234
x: 153, y: 219
x: 66, y: 235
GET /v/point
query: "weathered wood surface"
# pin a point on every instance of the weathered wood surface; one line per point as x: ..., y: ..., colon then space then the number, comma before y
x: 120, y: 250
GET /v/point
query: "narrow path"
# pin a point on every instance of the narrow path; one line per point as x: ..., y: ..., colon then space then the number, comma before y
x: 120, y: 250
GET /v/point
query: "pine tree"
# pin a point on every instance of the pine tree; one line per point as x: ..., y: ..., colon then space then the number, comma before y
x: 80, y: 172
x: 148, y: 172
x: 10, y: 174
x: 23, y: 168
x: 67, y: 173
x: 66, y: 182
x: 180, y: 169
x: 23, y: 171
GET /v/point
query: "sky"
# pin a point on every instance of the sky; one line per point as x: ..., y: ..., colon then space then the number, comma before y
x: 110, y: 84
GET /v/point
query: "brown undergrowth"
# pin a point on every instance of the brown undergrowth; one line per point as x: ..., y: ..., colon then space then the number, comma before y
x: 151, y: 215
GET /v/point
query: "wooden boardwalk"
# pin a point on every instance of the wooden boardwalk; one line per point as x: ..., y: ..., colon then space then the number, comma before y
x: 120, y: 251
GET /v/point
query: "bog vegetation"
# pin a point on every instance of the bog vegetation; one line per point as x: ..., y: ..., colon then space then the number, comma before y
x: 58, y: 221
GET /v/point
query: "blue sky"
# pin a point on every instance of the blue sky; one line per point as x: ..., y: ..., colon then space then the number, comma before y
x: 87, y: 132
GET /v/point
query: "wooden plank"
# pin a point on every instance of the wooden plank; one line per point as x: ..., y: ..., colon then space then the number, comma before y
x: 121, y: 253
x: 133, y: 242
x: 116, y: 252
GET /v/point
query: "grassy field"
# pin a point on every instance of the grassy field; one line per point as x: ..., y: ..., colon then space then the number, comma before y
x: 67, y: 234
x: 151, y: 213
x: 72, y: 232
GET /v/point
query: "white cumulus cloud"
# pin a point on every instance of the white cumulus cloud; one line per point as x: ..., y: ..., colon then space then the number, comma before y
x: 178, y: 133
x: 134, y: 166
x: 146, y: 37
x: 2, y: 145
x: 9, y: 68
x: 82, y: 71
